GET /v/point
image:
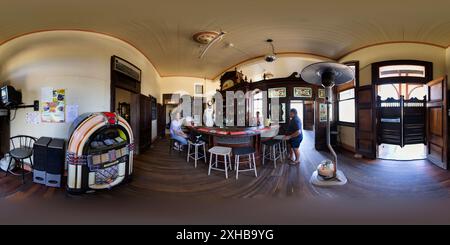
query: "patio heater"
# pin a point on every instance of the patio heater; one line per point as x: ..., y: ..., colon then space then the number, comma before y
x: 328, y: 74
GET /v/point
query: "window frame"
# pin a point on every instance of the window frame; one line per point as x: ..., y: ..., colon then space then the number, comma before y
x: 345, y: 87
x: 402, y: 79
x: 344, y: 123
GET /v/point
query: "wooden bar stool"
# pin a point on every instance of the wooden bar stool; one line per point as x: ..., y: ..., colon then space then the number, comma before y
x: 216, y: 151
x: 274, y: 151
x: 242, y: 152
x: 196, y: 155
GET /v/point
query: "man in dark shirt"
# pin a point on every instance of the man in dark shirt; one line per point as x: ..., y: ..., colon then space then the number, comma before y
x: 295, y: 136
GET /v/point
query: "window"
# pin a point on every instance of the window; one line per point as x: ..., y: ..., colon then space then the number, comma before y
x: 346, y: 104
x: 401, y: 71
x: 407, y: 90
x: 257, y: 103
x: 354, y: 66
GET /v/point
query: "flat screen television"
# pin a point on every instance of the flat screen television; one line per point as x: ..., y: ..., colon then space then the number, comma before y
x: 10, y: 96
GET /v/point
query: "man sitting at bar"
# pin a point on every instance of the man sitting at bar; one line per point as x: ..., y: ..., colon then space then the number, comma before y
x: 295, y: 136
x: 175, y: 131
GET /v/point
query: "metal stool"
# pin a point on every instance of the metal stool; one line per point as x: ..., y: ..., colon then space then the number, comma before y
x: 196, y: 155
x: 274, y: 152
x: 216, y: 151
x: 244, y: 151
x: 284, y: 148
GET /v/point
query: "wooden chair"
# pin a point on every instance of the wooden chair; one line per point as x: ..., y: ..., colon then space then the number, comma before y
x: 22, y: 148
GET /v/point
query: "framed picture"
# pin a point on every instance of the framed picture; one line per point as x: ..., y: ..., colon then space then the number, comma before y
x: 198, y: 89
x: 277, y: 92
x: 322, y: 112
x: 303, y: 92
x: 321, y: 93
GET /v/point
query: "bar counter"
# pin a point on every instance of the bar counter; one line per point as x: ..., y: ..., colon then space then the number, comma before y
x: 233, y: 137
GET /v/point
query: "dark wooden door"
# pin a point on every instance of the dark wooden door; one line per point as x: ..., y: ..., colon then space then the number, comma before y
x: 365, y: 126
x: 145, y: 122
x: 308, y: 115
x: 437, y: 122
x: 4, y: 131
x: 161, y: 120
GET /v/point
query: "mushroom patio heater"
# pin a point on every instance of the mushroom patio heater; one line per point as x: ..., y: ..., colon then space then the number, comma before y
x: 328, y: 74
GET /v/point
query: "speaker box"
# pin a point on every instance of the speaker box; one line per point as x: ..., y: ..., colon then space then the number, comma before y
x: 40, y: 160
x: 55, y: 162
x: 56, y: 156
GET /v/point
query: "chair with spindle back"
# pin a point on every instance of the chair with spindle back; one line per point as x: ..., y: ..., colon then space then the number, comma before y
x: 22, y: 148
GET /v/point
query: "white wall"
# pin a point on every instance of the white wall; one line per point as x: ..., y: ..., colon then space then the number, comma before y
x: 283, y: 66
x: 76, y: 61
x: 185, y: 85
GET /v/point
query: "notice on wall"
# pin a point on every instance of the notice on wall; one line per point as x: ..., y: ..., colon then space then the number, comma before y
x: 53, y: 111
x: 32, y: 118
x: 71, y: 113
x: 322, y: 112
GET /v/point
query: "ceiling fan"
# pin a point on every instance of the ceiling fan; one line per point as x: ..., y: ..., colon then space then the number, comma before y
x: 207, y: 38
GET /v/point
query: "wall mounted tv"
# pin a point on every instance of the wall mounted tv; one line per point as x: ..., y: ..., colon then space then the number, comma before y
x: 10, y: 96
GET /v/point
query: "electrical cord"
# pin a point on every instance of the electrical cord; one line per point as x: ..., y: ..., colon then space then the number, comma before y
x: 14, y: 117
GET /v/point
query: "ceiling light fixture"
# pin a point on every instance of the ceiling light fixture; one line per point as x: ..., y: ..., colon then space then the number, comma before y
x: 207, y: 38
x: 272, y: 56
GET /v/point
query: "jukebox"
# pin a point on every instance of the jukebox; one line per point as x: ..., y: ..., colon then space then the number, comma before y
x: 99, y: 152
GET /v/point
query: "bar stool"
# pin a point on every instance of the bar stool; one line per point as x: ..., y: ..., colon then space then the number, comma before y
x: 244, y: 151
x: 284, y: 148
x: 216, y: 151
x: 196, y: 155
x: 274, y: 151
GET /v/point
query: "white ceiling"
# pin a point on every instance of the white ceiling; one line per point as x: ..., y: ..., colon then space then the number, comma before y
x: 162, y: 30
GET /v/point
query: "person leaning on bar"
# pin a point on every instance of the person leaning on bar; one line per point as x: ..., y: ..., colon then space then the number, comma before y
x: 295, y: 136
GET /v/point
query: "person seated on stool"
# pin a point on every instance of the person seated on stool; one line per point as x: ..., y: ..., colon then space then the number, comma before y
x: 295, y: 136
x: 175, y: 130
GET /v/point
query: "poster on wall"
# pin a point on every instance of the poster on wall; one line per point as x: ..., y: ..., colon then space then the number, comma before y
x: 322, y: 112
x: 32, y: 118
x: 321, y: 93
x: 303, y: 92
x: 71, y: 113
x: 198, y: 89
x: 277, y: 92
x: 53, y: 109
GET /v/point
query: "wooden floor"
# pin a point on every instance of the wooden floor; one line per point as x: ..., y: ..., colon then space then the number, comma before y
x: 156, y: 173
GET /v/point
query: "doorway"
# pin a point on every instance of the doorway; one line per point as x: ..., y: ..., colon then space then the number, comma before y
x: 123, y: 103
x: 298, y: 105
x: 401, y: 116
